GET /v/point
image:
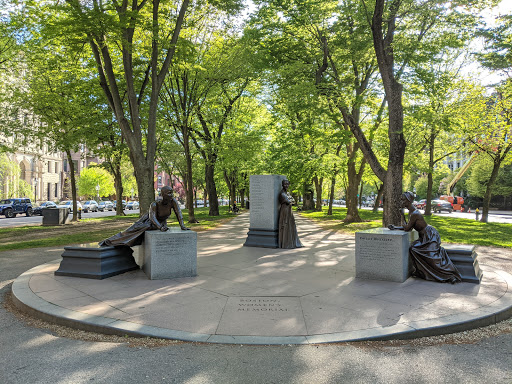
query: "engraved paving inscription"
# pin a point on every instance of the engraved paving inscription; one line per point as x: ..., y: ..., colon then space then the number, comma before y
x: 261, y: 305
x: 263, y: 316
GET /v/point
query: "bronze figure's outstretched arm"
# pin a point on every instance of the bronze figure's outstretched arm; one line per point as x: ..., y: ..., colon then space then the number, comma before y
x: 178, y: 213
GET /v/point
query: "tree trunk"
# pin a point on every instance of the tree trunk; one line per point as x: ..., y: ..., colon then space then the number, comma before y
x: 331, y: 195
x: 488, y: 190
x: 211, y: 187
x: 189, y: 180
x: 145, y: 185
x: 430, y: 181
x: 73, y: 184
x: 378, y: 198
x: 242, y: 197
x: 393, y: 192
x: 360, y: 195
x: 309, y: 203
x: 118, y: 184
x: 385, y: 58
x: 351, y: 194
x: 318, y: 188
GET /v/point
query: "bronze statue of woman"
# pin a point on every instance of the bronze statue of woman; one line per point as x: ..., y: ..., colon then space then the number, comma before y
x: 430, y: 260
x: 288, y: 237
x: 155, y: 219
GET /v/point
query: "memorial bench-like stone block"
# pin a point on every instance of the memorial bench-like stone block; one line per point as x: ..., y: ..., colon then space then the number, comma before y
x: 94, y: 262
x: 170, y: 254
x: 383, y: 254
x: 464, y: 259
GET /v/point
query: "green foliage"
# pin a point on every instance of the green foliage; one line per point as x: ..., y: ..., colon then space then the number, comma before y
x: 9, y: 174
x: 94, y: 176
x: 10, y: 180
x: 497, y: 54
x: 479, y: 178
x: 440, y: 178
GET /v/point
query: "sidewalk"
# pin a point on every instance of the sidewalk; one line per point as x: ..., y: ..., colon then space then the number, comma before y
x: 249, y: 295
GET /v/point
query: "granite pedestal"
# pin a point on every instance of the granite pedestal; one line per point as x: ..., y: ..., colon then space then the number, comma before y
x: 94, y: 262
x: 264, y: 215
x: 383, y: 254
x: 55, y: 216
x: 170, y: 254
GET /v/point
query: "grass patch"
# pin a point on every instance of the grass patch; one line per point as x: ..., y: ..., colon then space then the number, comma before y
x: 93, y: 230
x: 451, y: 229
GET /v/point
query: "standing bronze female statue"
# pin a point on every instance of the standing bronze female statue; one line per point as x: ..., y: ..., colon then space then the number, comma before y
x: 156, y: 218
x: 288, y: 237
x: 430, y: 260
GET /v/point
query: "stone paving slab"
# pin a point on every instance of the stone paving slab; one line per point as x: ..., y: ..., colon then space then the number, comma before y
x: 247, y: 295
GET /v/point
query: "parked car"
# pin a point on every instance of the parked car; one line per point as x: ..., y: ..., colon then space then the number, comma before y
x: 47, y: 204
x: 132, y: 205
x: 441, y: 205
x: 69, y: 205
x: 421, y: 204
x: 12, y: 207
x: 90, y: 205
x: 105, y: 206
x: 115, y: 204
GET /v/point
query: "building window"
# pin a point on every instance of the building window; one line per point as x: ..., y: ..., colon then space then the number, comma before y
x: 49, y: 166
x: 56, y: 167
x: 56, y: 189
x: 65, y: 164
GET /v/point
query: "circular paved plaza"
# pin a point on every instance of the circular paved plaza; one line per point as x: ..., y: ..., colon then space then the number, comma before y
x: 248, y: 295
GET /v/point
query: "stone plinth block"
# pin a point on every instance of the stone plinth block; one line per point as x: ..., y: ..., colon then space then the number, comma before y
x: 170, y: 254
x: 94, y: 262
x: 55, y: 216
x: 465, y: 260
x: 264, y: 215
x: 382, y: 254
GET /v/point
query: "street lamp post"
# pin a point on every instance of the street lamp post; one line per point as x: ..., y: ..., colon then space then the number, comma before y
x: 35, y: 189
x: 98, y: 191
x: 131, y: 196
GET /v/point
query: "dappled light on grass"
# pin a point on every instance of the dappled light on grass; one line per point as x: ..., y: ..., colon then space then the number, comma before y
x: 335, y: 221
x: 451, y: 229
x: 93, y: 230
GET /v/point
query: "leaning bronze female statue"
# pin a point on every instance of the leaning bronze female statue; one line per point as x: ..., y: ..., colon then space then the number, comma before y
x: 430, y: 260
x: 155, y: 219
x: 288, y: 237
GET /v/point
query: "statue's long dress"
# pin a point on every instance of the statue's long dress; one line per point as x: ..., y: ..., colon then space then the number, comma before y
x: 135, y: 234
x: 430, y: 260
x: 288, y: 237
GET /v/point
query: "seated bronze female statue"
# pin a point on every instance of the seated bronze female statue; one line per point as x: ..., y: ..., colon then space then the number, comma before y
x: 155, y: 219
x: 430, y: 260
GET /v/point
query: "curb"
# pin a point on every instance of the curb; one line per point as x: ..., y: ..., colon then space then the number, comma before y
x: 27, y: 301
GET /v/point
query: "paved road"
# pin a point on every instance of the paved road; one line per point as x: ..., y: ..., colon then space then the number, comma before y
x: 30, y: 355
x: 494, y: 216
x: 21, y: 220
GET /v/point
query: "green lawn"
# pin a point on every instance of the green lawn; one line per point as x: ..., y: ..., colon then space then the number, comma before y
x: 90, y: 230
x: 452, y: 230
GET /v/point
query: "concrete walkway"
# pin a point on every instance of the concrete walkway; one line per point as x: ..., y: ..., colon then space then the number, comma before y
x: 248, y: 295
